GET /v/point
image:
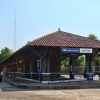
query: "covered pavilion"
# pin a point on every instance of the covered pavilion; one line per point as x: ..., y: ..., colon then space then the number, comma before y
x: 40, y: 59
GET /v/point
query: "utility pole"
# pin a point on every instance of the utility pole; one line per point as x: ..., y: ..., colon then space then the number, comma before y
x: 15, y: 31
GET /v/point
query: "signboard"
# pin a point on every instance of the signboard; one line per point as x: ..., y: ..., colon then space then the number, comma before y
x: 76, y: 50
x: 82, y: 50
x: 70, y: 50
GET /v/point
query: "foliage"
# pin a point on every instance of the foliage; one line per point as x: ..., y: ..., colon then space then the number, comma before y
x: 80, y: 61
x: 4, y: 53
x: 64, y: 66
x: 97, y: 61
x: 92, y: 36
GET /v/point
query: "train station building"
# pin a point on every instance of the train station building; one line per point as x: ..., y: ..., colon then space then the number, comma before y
x: 40, y: 60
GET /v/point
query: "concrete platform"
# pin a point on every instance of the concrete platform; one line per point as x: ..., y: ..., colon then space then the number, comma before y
x: 65, y: 85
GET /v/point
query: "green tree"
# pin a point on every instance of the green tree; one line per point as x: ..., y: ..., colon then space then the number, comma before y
x: 80, y: 61
x: 97, y: 59
x: 4, y: 53
x: 64, y: 66
x: 92, y: 36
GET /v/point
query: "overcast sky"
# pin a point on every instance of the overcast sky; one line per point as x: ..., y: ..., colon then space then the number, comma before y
x: 35, y: 18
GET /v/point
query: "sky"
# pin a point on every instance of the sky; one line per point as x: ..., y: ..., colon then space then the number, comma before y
x: 35, y: 18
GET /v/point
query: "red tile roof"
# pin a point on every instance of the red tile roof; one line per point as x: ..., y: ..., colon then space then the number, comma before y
x: 61, y: 39
x: 64, y: 39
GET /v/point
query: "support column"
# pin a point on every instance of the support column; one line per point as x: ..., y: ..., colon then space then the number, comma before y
x: 71, y: 67
x: 89, y: 66
x: 38, y: 69
x: 89, y: 62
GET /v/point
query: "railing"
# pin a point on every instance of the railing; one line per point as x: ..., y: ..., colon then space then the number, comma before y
x: 77, y: 75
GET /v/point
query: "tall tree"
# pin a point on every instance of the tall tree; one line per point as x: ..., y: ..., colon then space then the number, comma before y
x: 4, y: 53
x: 92, y: 36
x: 97, y: 59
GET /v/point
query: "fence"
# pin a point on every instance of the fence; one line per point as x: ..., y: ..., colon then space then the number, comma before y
x: 76, y: 76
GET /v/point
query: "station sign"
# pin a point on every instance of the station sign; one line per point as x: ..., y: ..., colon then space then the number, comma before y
x: 86, y: 50
x: 76, y: 50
